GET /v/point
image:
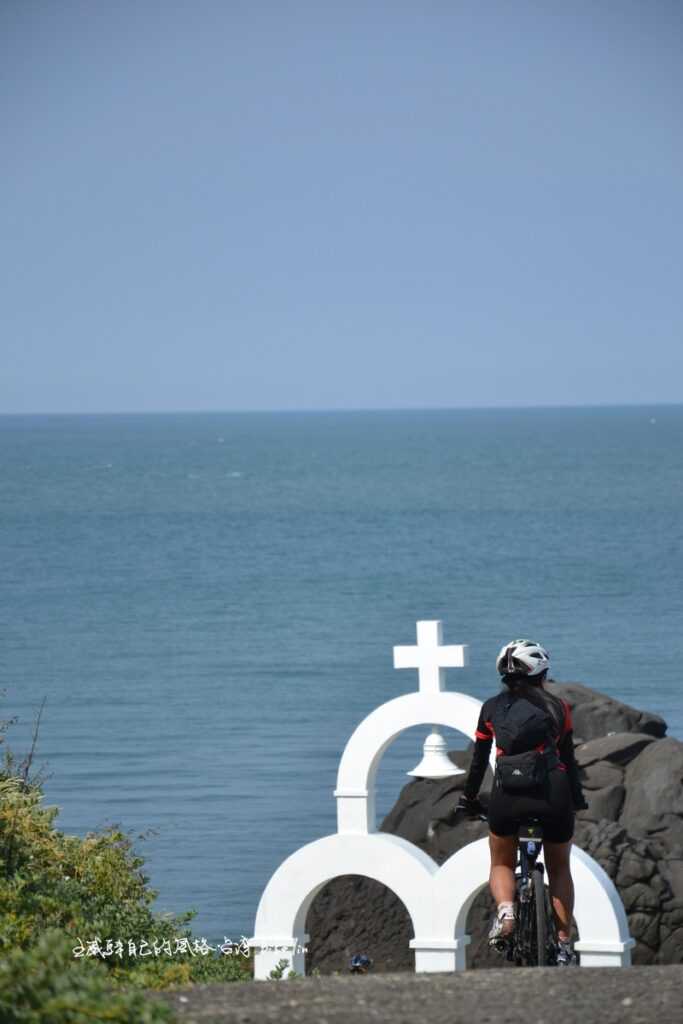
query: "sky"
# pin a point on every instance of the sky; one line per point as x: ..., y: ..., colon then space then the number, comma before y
x: 334, y: 205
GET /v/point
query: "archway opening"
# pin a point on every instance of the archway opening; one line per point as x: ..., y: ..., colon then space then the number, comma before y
x: 355, y: 914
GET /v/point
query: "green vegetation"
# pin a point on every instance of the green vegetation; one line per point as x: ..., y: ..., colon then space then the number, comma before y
x: 42, y: 986
x: 280, y: 968
x: 79, y: 940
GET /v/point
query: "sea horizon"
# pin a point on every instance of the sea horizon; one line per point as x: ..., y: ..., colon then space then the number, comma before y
x: 345, y: 409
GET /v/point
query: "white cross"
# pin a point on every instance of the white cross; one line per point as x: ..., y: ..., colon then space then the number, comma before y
x: 431, y: 658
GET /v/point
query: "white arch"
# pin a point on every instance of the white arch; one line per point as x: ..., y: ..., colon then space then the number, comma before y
x: 604, y: 939
x: 437, y: 898
x: 598, y: 910
x: 389, y: 859
x: 355, y: 792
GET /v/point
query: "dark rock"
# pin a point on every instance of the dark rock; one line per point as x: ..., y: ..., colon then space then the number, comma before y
x: 462, y: 758
x: 595, y: 714
x: 600, y: 775
x: 634, y: 867
x: 674, y: 912
x: 604, y: 803
x: 618, y: 748
x: 354, y: 914
x: 633, y: 827
x: 645, y: 928
x: 673, y: 870
x: 654, y: 794
x: 639, y: 896
x: 670, y: 949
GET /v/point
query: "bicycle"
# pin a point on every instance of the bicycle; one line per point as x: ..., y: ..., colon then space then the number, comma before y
x: 534, y: 940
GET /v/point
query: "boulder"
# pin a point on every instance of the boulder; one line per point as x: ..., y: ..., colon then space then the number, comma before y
x: 599, y: 775
x: 595, y: 714
x: 633, y: 827
x: 618, y: 748
x: 604, y: 804
x: 644, y: 928
x: 652, y: 898
x: 654, y: 794
x: 673, y: 868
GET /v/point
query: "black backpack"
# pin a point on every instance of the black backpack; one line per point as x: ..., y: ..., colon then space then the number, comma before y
x: 520, y: 727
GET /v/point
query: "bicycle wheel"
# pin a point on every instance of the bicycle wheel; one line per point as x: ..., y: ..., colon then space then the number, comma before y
x: 520, y: 949
x: 552, y: 931
x: 540, y: 915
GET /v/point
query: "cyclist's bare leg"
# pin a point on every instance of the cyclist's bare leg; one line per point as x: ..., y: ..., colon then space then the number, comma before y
x: 502, y: 876
x: 561, y: 885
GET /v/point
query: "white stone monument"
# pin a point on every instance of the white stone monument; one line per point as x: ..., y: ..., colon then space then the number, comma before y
x: 437, y: 898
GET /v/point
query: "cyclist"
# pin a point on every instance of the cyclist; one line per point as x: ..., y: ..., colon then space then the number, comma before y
x: 536, y: 777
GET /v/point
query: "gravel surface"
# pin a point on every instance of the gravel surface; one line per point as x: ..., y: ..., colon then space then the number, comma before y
x: 635, y: 995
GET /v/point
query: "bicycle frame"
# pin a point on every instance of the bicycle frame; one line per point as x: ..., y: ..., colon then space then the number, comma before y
x: 534, y: 916
x: 534, y: 940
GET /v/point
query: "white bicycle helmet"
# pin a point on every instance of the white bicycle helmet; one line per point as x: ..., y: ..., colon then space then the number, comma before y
x: 522, y: 657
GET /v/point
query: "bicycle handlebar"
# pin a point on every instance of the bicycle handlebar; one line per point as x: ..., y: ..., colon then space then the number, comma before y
x: 473, y: 817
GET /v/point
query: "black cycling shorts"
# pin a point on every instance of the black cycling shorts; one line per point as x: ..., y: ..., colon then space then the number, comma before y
x: 552, y: 805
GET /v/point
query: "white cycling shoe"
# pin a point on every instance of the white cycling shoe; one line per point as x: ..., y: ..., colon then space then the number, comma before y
x: 503, y: 924
x: 565, y: 955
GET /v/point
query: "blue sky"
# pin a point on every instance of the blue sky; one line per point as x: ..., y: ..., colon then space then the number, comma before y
x: 260, y: 205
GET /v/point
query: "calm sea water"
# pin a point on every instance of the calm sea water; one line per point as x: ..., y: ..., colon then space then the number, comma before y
x: 209, y: 603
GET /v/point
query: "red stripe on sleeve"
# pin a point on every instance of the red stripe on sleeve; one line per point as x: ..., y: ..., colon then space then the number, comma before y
x: 486, y: 733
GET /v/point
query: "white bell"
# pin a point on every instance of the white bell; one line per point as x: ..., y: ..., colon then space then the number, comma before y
x: 435, y: 763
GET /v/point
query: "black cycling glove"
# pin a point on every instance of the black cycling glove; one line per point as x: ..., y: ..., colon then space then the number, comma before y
x: 471, y: 806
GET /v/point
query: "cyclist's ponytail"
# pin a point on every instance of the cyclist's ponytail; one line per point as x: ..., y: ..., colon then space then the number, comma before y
x: 536, y: 693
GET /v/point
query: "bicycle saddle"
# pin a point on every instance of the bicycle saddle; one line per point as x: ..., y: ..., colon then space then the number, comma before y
x: 530, y: 832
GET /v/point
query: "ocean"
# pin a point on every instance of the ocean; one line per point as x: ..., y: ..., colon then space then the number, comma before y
x: 208, y: 603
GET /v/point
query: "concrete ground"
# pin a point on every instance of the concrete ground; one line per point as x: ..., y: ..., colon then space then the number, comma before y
x: 635, y: 995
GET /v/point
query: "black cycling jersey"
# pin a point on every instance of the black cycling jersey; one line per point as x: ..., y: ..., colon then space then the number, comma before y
x: 559, y: 710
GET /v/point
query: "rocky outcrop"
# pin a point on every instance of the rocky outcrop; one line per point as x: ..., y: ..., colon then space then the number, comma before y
x: 595, y: 714
x: 632, y: 776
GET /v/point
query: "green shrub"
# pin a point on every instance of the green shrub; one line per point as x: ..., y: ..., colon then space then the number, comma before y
x: 59, y: 894
x: 45, y: 986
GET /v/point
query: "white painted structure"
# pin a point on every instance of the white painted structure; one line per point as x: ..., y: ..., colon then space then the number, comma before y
x: 437, y: 898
